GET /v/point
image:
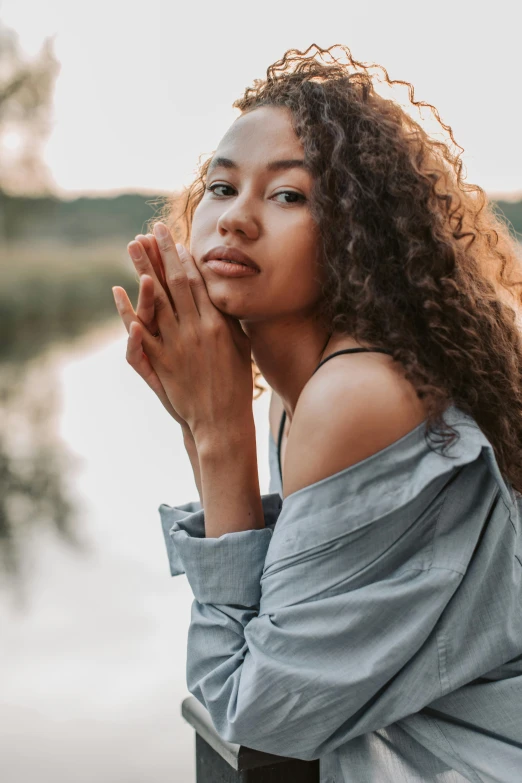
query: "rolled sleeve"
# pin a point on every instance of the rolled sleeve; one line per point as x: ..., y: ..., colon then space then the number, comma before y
x: 224, y: 570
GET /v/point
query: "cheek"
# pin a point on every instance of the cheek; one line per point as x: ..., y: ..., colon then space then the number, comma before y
x: 297, y: 281
x: 197, y: 228
x: 202, y: 228
x: 205, y: 218
x: 299, y: 249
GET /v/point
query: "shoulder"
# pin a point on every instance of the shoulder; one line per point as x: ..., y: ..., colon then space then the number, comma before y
x: 344, y: 415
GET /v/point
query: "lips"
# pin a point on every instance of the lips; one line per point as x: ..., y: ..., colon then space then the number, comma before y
x: 223, y: 253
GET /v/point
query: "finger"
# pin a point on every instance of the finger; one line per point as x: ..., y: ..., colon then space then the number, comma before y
x: 123, y: 305
x: 176, y: 276
x: 134, y: 344
x: 196, y: 282
x: 156, y: 257
x: 165, y: 314
x: 128, y: 316
x: 139, y: 361
x: 145, y: 309
x: 151, y: 248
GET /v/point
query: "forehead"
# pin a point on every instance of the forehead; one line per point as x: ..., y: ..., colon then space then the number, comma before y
x: 264, y: 131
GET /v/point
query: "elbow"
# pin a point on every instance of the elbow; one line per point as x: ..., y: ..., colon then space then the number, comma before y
x: 258, y: 725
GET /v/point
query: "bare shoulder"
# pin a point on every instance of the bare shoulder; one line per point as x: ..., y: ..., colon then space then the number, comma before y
x: 344, y: 415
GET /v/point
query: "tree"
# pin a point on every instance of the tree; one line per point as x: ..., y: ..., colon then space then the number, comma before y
x: 32, y: 486
x: 26, y: 90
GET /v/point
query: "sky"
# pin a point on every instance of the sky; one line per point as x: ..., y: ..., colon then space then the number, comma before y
x: 146, y: 88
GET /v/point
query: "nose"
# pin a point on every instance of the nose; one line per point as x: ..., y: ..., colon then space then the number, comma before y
x: 239, y: 218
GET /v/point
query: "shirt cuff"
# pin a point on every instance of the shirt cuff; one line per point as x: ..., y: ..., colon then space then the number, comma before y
x: 224, y: 570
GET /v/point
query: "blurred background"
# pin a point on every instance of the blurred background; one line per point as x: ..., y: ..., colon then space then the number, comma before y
x: 105, y: 109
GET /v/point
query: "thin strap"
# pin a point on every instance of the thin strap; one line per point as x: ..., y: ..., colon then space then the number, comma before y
x: 351, y: 350
x: 280, y: 440
x: 283, y: 417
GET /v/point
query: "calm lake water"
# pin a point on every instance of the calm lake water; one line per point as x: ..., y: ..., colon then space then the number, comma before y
x: 92, y: 669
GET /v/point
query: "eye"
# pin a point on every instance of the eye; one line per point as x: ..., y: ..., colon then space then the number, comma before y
x: 218, y: 185
x: 298, y: 196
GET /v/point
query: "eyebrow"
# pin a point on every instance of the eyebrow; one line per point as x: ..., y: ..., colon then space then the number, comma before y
x: 274, y: 165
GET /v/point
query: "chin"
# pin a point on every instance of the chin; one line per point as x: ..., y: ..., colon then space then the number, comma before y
x: 248, y: 309
x: 226, y: 304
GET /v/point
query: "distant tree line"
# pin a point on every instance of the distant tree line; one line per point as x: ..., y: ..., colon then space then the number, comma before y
x: 28, y: 219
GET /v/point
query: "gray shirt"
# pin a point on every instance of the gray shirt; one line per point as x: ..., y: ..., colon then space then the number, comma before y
x: 375, y: 622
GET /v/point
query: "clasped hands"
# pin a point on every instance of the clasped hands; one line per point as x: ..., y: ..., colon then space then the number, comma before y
x: 199, y: 364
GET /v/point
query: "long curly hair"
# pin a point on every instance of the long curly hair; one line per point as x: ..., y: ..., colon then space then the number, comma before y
x: 414, y: 259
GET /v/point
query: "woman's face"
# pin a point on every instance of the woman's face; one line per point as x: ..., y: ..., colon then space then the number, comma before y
x: 262, y: 209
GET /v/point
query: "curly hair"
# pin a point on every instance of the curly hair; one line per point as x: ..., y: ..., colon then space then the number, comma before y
x: 414, y: 259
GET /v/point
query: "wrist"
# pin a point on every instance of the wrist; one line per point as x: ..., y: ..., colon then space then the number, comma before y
x: 230, y: 481
x: 213, y: 443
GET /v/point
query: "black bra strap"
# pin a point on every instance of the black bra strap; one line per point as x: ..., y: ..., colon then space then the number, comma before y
x: 280, y: 440
x: 283, y: 417
x: 351, y: 350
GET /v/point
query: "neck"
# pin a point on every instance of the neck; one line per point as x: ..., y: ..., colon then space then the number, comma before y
x: 287, y: 355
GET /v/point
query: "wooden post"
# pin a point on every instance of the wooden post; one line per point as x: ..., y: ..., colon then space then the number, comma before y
x: 218, y: 761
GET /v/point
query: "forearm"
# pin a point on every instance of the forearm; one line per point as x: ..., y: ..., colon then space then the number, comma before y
x: 230, y: 481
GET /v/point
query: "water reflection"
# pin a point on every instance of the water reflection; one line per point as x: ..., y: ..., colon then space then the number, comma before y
x: 51, y: 296
x: 33, y: 468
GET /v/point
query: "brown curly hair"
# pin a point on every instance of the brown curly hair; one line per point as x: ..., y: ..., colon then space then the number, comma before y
x: 415, y: 260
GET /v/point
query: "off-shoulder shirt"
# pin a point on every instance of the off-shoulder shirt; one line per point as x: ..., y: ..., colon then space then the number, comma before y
x: 374, y: 623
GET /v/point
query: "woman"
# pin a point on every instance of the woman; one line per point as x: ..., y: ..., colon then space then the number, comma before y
x: 371, y: 618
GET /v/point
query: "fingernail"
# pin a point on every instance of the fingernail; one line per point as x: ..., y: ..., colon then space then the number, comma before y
x: 134, y: 250
x: 160, y: 230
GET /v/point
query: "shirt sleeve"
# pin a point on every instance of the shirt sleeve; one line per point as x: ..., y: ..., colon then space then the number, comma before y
x: 324, y: 625
x: 219, y: 570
